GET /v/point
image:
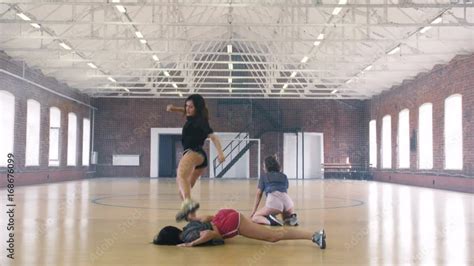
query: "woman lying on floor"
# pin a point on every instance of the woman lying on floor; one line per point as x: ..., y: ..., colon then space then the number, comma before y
x: 227, y: 223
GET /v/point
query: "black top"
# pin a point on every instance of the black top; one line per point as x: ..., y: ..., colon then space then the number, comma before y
x: 195, y: 132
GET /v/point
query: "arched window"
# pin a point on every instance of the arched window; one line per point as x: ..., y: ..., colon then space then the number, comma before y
x: 86, y: 139
x: 387, y: 142
x: 373, y: 143
x: 54, y: 135
x: 7, y: 122
x: 425, y: 136
x: 404, y: 139
x: 72, y: 139
x: 453, y: 133
x: 33, y: 125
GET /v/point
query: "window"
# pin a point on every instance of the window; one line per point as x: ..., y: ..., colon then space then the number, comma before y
x: 453, y: 139
x: 33, y: 118
x: 71, y: 139
x: 7, y: 123
x: 404, y: 139
x: 54, y: 133
x: 387, y: 142
x: 86, y: 138
x: 425, y: 136
x: 373, y: 143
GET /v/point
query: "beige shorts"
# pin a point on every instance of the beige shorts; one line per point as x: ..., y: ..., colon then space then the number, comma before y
x: 279, y: 201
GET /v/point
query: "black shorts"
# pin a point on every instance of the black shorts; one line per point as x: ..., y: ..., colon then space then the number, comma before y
x: 202, y: 152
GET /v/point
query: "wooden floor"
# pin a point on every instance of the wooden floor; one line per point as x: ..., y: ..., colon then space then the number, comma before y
x: 111, y: 221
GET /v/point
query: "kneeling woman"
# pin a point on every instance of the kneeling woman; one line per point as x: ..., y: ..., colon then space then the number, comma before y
x: 275, y: 185
x: 228, y: 223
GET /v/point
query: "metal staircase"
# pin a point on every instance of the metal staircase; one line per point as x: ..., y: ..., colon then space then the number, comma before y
x: 242, y: 143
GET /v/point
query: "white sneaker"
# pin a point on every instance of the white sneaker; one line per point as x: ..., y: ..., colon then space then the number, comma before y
x: 187, y: 206
x: 292, y: 220
x: 319, y: 238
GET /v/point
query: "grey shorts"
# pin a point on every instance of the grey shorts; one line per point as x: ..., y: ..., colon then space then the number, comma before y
x: 279, y: 201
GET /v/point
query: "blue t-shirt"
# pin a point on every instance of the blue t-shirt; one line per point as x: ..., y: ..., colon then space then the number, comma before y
x: 273, y: 181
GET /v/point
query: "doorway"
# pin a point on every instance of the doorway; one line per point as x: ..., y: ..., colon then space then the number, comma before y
x: 304, y: 149
x: 170, y: 152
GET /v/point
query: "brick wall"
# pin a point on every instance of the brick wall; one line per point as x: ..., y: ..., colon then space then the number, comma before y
x: 123, y: 126
x: 434, y: 87
x: 23, y: 91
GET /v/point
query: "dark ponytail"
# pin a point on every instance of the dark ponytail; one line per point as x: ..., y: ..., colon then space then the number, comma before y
x: 272, y: 164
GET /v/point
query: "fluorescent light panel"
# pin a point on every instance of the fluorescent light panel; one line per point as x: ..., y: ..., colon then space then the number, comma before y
x: 425, y: 29
x: 304, y: 60
x: 394, y: 50
x: 338, y: 9
x: 155, y: 57
x: 437, y: 20
x: 35, y: 25
x: 65, y: 46
x: 293, y: 74
x: 139, y: 34
x: 121, y: 8
x: 143, y: 41
x: 229, y: 48
x: 92, y: 65
x: 111, y: 79
x: 23, y: 16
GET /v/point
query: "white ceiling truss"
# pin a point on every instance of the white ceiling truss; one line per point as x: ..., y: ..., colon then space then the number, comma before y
x: 305, y: 49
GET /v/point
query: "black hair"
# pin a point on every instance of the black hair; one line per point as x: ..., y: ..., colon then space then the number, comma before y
x: 271, y: 164
x: 199, y: 105
x: 169, y: 235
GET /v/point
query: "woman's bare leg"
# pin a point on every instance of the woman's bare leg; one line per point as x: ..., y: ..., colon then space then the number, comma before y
x: 185, y: 169
x: 255, y: 231
x: 259, y: 216
x: 197, y: 172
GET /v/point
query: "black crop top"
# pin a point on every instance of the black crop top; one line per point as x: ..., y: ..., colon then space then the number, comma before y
x: 195, y: 132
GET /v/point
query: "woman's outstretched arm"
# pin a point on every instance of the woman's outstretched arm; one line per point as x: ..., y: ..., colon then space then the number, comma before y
x: 204, y: 236
x: 258, y: 198
x: 220, y: 154
x: 172, y: 108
